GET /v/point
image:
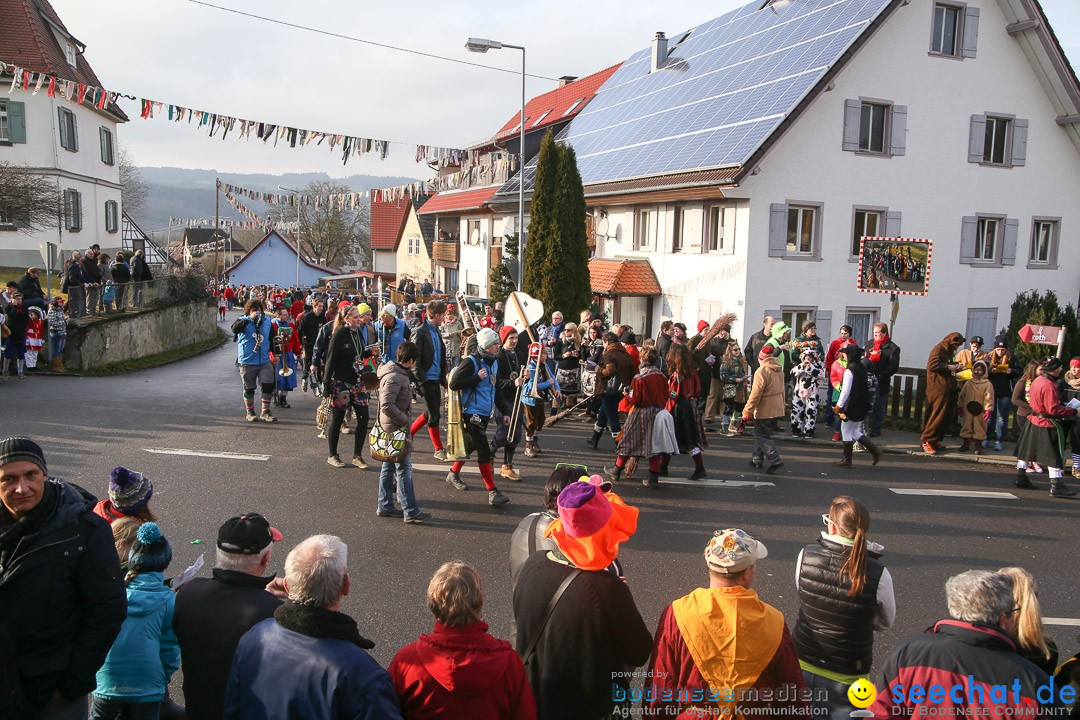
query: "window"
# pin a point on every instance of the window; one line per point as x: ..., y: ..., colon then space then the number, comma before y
x: 988, y: 240
x: 955, y: 30
x: 795, y: 317
x: 719, y: 230
x: 474, y: 237
x: 862, y: 322
x: 414, y: 245
x: 1044, y: 243
x: 111, y: 216
x: 69, y: 136
x: 678, y: 220
x: 872, y: 127
x: 644, y: 229
x: 472, y: 289
x: 800, y: 230
x: 69, y: 54
x: 998, y: 140
x: 73, y: 210
x: 5, y: 222
x: 5, y: 133
x: 795, y: 230
x: 106, y: 146
x: 573, y: 107
x: 875, y: 127
x: 541, y: 118
x: 867, y: 223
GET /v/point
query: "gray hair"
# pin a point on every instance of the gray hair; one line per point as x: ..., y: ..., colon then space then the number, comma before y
x: 315, y: 570
x: 241, y: 563
x: 979, y: 596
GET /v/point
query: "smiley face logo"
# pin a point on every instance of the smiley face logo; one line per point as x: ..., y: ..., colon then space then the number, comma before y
x: 862, y: 693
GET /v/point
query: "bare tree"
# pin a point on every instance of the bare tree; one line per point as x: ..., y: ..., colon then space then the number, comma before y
x: 134, y: 187
x: 28, y: 199
x: 330, y: 235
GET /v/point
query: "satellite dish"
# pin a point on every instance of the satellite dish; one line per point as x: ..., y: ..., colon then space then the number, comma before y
x: 602, y: 227
x: 474, y: 237
x: 618, y: 232
x: 509, y: 225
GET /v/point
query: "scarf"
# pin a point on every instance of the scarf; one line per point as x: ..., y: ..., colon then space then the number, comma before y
x: 319, y: 622
x: 875, y: 352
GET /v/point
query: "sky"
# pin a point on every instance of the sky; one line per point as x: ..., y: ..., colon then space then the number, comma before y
x: 181, y: 52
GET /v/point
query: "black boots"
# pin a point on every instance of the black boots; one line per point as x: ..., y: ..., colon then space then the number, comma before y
x: 1021, y: 481
x: 653, y: 481
x: 848, y: 450
x: 613, y: 474
x: 594, y: 439
x: 1059, y: 489
x: 875, y: 451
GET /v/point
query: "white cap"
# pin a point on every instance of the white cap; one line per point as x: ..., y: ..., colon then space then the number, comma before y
x: 390, y: 309
x: 486, y: 338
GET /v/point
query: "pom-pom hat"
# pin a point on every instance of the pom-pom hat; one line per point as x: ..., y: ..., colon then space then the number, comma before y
x: 151, y: 551
x: 486, y: 338
x: 129, y: 491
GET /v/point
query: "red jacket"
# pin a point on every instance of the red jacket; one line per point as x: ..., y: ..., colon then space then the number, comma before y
x: 1045, y: 400
x: 649, y: 390
x: 461, y: 672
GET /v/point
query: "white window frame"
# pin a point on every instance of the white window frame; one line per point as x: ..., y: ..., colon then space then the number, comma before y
x: 856, y: 235
x: 5, y: 123
x: 414, y: 245
x: 886, y: 127
x: 992, y: 123
x: 998, y: 239
x: 541, y: 118
x: 469, y: 227
x: 678, y: 229
x: 112, y: 216
x: 573, y: 106
x: 801, y: 210
x: 958, y: 36
x: 645, y: 232
x: 795, y: 313
x: 715, y: 238
x: 1054, y: 226
x: 69, y: 54
x: 873, y: 312
x: 108, y: 148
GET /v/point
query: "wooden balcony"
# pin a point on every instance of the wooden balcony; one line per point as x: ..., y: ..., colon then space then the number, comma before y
x: 447, y: 254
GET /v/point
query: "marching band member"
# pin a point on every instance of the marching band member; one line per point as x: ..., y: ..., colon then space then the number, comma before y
x: 509, y: 379
x: 391, y: 331
x: 287, y: 347
x: 475, y: 378
x: 342, y: 383
x: 539, y: 369
x: 253, y: 331
x: 431, y: 371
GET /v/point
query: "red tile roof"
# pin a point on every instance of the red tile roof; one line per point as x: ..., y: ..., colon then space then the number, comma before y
x: 556, y: 104
x: 28, y: 42
x: 457, y: 201
x: 387, y: 219
x: 623, y: 277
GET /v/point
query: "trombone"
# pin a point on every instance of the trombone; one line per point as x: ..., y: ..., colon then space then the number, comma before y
x: 534, y: 391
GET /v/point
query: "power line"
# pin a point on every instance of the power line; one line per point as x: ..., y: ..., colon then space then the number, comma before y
x: 366, y: 42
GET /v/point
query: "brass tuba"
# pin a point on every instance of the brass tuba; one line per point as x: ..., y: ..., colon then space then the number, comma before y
x: 281, y: 340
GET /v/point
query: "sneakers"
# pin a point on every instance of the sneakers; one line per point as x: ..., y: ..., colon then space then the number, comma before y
x: 796, y: 435
x: 335, y: 461
x: 509, y: 473
x: 929, y: 448
x: 837, y: 437
x: 345, y: 430
x: 496, y: 498
x: 756, y: 464
x: 531, y: 449
x: 998, y: 447
x: 267, y: 416
x: 395, y: 513
x: 251, y: 417
x: 440, y: 455
x: 321, y: 435
x: 420, y: 517
x: 985, y: 445
x: 359, y: 462
x: 454, y: 481
x: 774, y: 467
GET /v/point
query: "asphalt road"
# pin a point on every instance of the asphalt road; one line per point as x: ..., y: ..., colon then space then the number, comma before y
x: 89, y: 425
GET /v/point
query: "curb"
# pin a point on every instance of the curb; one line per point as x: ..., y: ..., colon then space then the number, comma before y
x: 999, y: 461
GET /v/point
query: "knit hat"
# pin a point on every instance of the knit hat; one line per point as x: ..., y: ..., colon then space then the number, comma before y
x: 150, y: 552
x: 247, y: 534
x: 701, y: 325
x: 1051, y: 363
x: 363, y: 309
x: 591, y: 524
x: 976, y: 340
x: 808, y: 325
x: 1075, y: 362
x: 1001, y: 341
x: 16, y: 449
x: 389, y: 309
x: 767, y: 351
x: 486, y: 338
x: 504, y: 332
x: 628, y: 338
x: 732, y: 550
x: 129, y: 491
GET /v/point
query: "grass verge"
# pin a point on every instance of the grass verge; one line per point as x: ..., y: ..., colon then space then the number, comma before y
x: 153, y: 361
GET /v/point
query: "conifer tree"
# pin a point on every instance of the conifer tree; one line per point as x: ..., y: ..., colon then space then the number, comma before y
x: 543, y: 225
x: 500, y: 282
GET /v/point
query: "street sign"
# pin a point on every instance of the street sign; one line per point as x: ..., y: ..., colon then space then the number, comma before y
x: 1042, y: 334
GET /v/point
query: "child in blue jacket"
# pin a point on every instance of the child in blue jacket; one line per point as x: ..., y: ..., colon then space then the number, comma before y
x: 146, y: 652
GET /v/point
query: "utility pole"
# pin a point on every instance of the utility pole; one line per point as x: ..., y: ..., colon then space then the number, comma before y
x: 217, y: 223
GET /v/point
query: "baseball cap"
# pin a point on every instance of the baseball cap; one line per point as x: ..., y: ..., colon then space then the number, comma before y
x: 732, y: 550
x: 976, y: 340
x: 247, y: 534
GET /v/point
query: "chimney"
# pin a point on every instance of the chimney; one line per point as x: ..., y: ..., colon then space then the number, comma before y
x: 566, y: 80
x: 659, y: 51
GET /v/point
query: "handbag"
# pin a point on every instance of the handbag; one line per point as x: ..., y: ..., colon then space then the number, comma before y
x: 389, y: 446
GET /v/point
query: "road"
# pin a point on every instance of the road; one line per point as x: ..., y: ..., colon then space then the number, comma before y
x: 89, y: 425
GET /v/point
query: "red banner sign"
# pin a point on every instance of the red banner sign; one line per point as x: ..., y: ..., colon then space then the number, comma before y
x: 1041, y: 334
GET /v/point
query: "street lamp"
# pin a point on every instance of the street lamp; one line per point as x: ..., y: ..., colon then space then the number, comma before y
x: 296, y: 194
x: 480, y: 45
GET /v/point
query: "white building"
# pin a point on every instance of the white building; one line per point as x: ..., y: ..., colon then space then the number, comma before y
x: 745, y: 158
x: 71, y: 143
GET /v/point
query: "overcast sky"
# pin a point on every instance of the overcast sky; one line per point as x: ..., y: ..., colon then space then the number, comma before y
x: 180, y: 52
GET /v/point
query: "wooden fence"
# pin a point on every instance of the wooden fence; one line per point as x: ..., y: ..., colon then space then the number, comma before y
x: 907, y: 395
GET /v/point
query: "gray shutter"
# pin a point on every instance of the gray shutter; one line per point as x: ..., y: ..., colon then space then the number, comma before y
x: 968, y: 231
x: 1055, y: 238
x: 823, y: 318
x: 74, y: 133
x: 976, y: 138
x: 1008, y: 248
x: 898, y: 136
x: 892, y: 223
x: 971, y: 31
x: 777, y: 229
x: 852, y: 121
x: 1018, y: 157
x: 63, y: 128
x: 78, y: 210
x: 16, y: 121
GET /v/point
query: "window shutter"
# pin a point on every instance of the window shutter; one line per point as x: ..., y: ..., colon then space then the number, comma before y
x: 971, y: 31
x: 852, y: 120
x: 64, y: 142
x: 16, y: 122
x: 1018, y: 157
x: 898, y: 140
x: 1008, y: 248
x: 74, y: 134
x: 78, y: 210
x: 1055, y: 239
x: 777, y: 229
x: 977, y: 138
x: 892, y: 223
x: 968, y: 231
x: 823, y: 318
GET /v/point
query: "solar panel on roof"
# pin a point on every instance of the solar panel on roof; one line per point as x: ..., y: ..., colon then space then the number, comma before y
x: 722, y: 92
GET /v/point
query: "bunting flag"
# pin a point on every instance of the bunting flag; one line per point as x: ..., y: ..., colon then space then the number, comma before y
x: 350, y: 146
x: 338, y: 201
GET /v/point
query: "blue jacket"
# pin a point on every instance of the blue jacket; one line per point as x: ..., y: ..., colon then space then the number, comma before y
x: 391, y: 337
x: 478, y: 397
x: 146, y: 652
x: 246, y: 354
x: 546, y: 381
x: 282, y: 674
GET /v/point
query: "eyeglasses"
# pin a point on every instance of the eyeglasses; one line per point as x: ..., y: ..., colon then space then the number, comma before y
x: 583, y: 468
x: 826, y: 520
x: 1014, y: 611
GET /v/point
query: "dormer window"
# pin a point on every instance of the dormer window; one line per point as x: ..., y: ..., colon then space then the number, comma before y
x: 541, y: 118
x: 573, y: 107
x: 69, y: 53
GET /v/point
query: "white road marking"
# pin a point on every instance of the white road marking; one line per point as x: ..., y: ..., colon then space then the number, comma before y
x: 955, y: 493
x: 469, y: 468
x: 207, y: 453
x: 1075, y: 622
x: 718, y: 483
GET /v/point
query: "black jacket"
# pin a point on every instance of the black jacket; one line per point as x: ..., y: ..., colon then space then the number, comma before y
x: 211, y: 616
x: 509, y: 364
x: 422, y: 337
x: 140, y: 271
x: 91, y: 269
x: 753, y: 347
x: 62, y: 595
x: 121, y: 273
x: 309, y: 325
x: 73, y: 276
x: 341, y: 356
x: 887, y: 364
x: 30, y: 287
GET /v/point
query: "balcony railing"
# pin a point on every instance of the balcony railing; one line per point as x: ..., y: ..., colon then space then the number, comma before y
x: 447, y: 252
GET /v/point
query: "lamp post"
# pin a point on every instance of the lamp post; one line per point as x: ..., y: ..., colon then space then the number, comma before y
x: 480, y: 45
x: 296, y: 194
